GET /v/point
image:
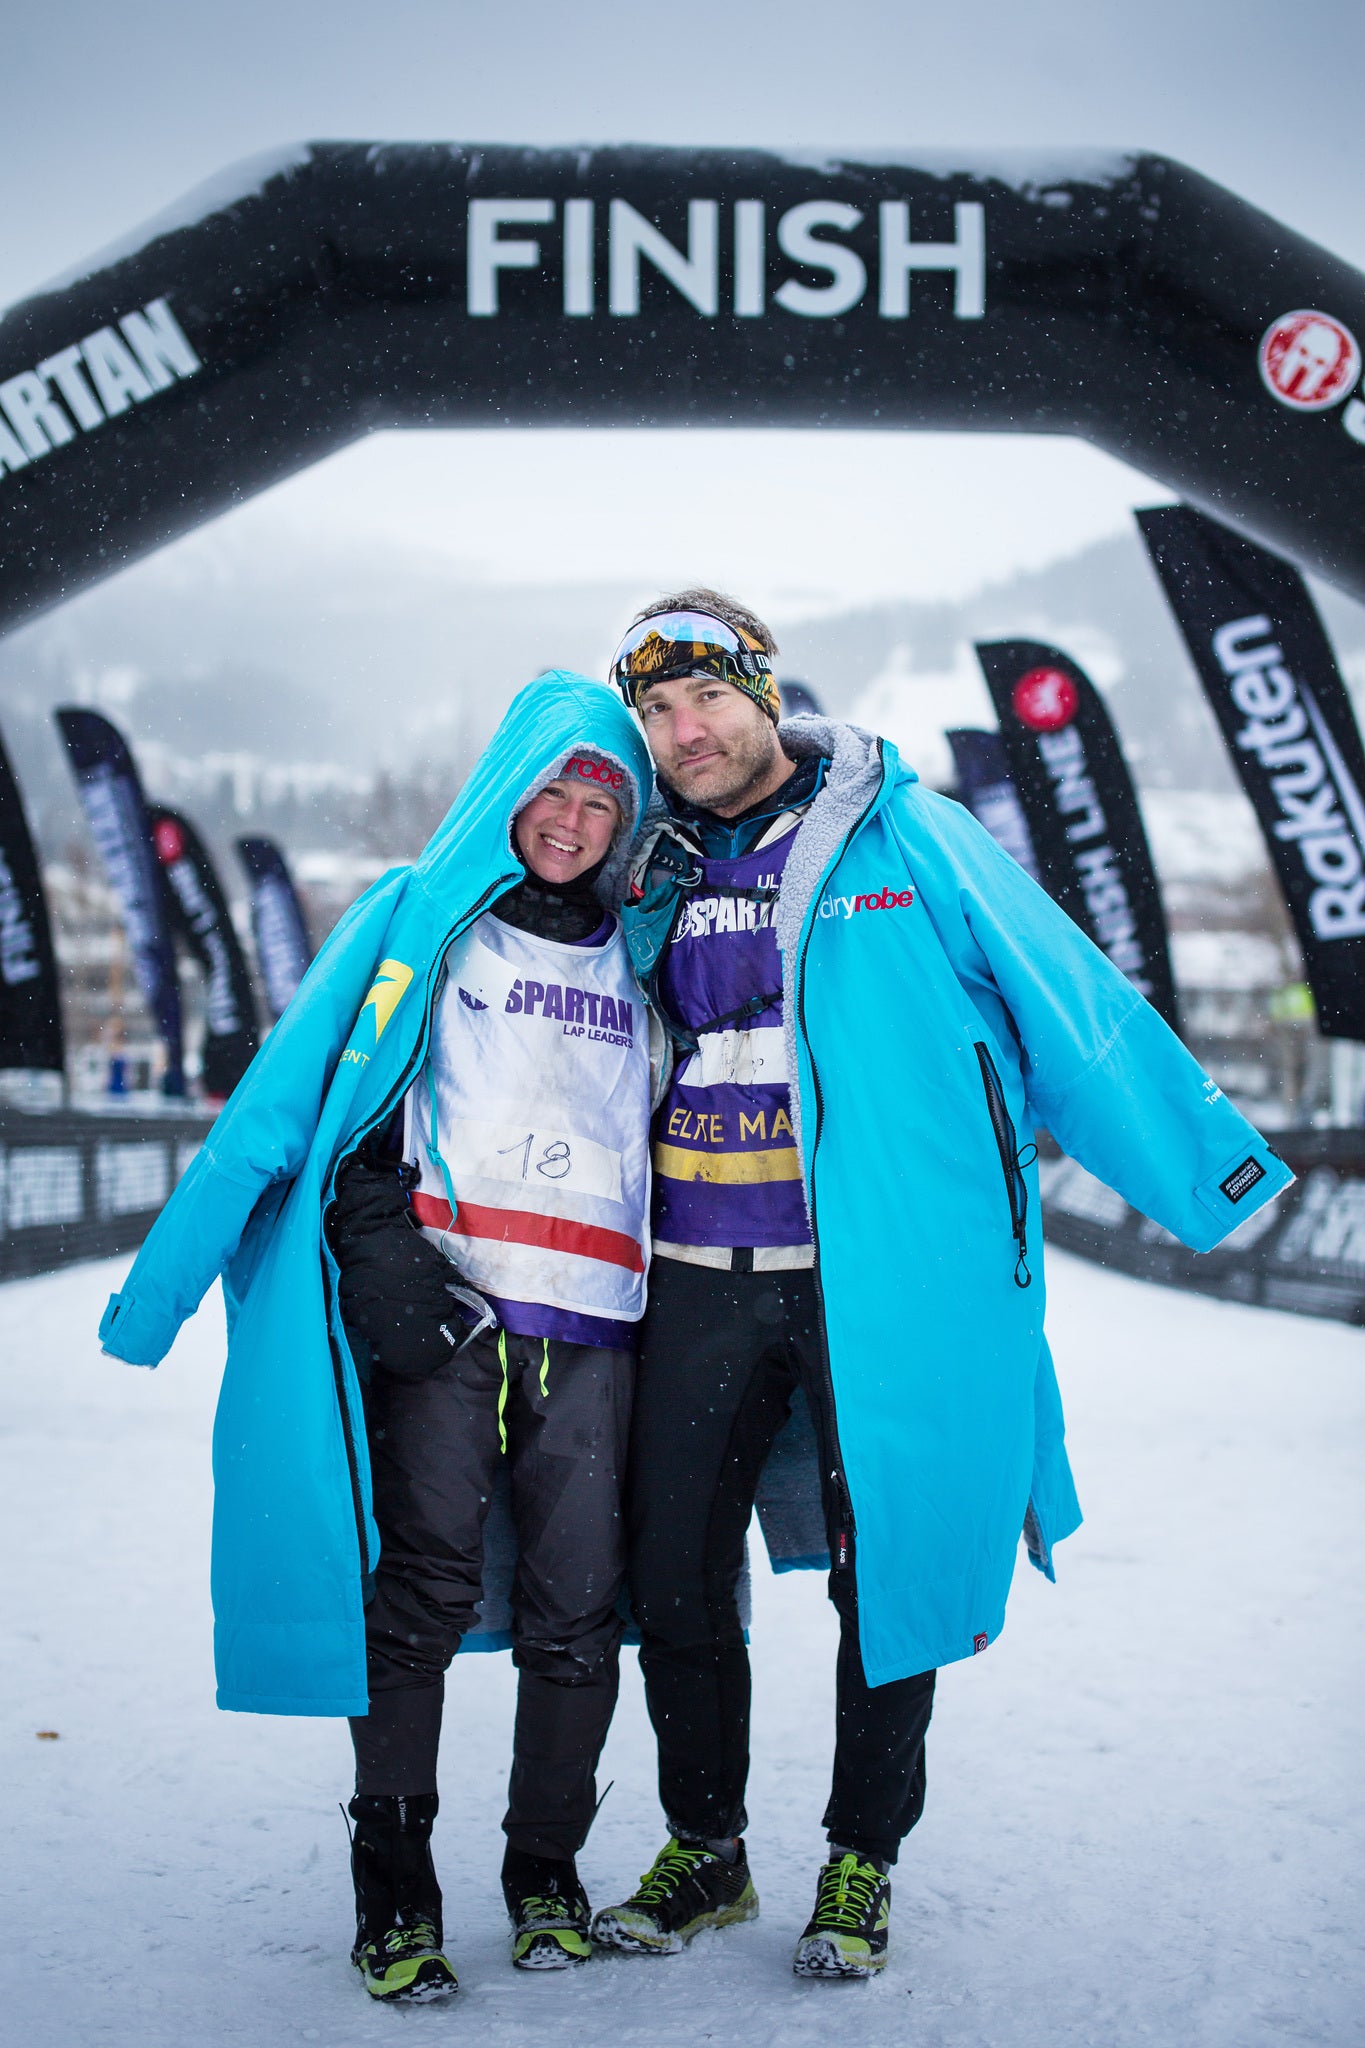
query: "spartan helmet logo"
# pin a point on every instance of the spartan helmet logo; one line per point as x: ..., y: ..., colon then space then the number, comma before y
x: 1045, y: 700
x: 1309, y: 360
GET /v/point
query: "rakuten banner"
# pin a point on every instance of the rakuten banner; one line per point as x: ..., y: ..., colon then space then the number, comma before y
x: 204, y: 923
x: 116, y: 812
x: 1269, y: 673
x: 1082, y: 811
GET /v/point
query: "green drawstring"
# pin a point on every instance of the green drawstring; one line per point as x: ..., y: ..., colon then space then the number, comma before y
x: 502, y: 1391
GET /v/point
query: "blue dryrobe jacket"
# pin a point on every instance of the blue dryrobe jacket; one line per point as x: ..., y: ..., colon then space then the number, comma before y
x: 949, y: 1421
x: 938, y: 1007
x: 293, y: 1533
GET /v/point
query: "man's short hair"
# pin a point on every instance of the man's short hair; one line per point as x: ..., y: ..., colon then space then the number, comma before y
x: 727, y: 609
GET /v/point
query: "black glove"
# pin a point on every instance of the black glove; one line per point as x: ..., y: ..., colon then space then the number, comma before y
x: 396, y: 1289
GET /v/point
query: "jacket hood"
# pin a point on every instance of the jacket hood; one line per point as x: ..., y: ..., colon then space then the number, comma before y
x: 558, y: 715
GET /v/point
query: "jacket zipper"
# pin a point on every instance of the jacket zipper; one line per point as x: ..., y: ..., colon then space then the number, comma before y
x: 1016, y: 1188
x: 338, y: 1370
x: 847, y: 1525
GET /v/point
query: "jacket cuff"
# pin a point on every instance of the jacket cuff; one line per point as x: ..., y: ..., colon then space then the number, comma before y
x: 1245, y: 1181
x: 136, y: 1334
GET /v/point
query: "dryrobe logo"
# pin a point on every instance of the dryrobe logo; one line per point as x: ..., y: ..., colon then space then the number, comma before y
x: 589, y: 770
x: 1045, y: 700
x: 849, y: 906
x: 807, y: 235
x: 1321, y: 810
x: 91, y: 382
x: 1309, y: 361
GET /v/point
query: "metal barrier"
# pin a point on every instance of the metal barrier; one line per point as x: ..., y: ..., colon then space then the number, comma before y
x: 82, y: 1185
x: 1305, y: 1251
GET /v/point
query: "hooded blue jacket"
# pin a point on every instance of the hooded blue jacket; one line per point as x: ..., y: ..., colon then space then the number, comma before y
x: 925, y: 1217
x: 293, y: 1534
x: 938, y: 1007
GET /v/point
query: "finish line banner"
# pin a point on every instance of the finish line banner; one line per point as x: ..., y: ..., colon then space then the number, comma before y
x: 1268, y: 671
x: 283, y: 947
x: 200, y: 910
x: 1076, y: 793
x: 327, y: 290
x: 116, y: 812
x: 985, y: 786
x: 30, y: 1003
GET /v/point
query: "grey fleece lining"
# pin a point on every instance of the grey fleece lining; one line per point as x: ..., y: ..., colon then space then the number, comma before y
x: 852, y: 780
x: 611, y: 883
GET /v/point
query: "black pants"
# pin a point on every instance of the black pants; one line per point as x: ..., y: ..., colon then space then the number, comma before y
x: 721, y: 1355
x: 435, y: 1455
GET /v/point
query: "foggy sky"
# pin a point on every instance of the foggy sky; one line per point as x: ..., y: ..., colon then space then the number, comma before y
x: 110, y: 113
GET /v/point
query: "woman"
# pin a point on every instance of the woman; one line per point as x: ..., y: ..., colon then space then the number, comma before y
x: 472, y: 1133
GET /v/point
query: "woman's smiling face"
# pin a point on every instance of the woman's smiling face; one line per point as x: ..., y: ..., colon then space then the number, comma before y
x: 566, y: 829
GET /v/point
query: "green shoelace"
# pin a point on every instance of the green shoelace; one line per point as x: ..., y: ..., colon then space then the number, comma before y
x: 845, y: 1892
x: 539, y: 1913
x: 667, y: 1871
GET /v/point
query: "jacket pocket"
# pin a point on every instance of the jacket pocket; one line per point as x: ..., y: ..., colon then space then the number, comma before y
x: 1011, y: 1163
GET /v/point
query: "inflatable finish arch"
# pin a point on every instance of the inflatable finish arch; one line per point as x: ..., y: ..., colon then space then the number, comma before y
x: 307, y: 299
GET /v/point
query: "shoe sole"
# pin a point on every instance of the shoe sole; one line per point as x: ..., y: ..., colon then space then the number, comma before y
x: 552, y: 1950
x: 432, y: 1979
x: 609, y: 1930
x: 821, y: 1958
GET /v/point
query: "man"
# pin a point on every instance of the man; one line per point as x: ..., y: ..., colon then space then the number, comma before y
x: 872, y: 1006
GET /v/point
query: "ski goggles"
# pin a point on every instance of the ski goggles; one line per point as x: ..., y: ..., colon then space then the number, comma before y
x: 674, y: 645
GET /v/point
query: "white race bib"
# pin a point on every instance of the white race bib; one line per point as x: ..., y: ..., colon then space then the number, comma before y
x: 737, y: 1058
x: 532, y: 1158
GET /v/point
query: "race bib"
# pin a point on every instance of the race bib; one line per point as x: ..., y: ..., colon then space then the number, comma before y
x: 740, y: 1059
x: 531, y: 1157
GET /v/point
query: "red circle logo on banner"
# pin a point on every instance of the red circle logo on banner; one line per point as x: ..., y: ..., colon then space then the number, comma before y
x: 1309, y: 360
x: 170, y: 841
x: 1045, y: 699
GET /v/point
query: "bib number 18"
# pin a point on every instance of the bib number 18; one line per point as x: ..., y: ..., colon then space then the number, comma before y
x: 554, y: 1163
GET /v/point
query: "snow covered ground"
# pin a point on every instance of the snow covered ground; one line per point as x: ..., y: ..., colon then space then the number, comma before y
x: 1145, y: 1806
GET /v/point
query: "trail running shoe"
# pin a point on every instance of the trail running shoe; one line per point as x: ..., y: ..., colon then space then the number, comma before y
x: 549, y: 1911
x: 686, y: 1888
x: 397, y: 1946
x: 405, y: 1964
x: 847, y: 1932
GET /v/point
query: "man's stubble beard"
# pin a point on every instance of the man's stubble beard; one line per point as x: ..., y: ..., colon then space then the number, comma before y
x: 746, y: 766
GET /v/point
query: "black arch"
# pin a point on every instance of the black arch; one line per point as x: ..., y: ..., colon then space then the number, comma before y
x: 308, y: 300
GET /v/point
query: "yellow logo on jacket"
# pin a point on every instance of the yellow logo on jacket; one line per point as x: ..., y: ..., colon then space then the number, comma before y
x: 390, y: 987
